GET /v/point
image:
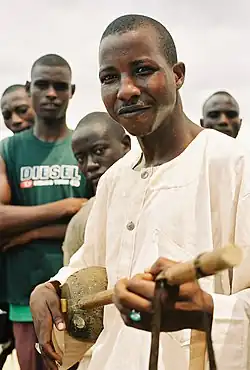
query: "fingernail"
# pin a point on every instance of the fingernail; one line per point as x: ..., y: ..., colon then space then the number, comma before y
x: 61, y: 326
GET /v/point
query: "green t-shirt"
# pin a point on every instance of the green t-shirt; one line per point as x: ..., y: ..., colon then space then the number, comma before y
x: 39, y: 173
x: 3, y: 284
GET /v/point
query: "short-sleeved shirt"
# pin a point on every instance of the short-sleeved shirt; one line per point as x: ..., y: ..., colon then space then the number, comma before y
x: 39, y: 173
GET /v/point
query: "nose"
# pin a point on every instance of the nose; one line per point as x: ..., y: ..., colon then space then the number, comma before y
x: 224, y: 121
x: 16, y: 120
x: 51, y: 93
x: 127, y: 89
x: 91, y: 165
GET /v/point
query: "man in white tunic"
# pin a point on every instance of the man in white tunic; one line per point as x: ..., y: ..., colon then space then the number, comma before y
x: 186, y: 192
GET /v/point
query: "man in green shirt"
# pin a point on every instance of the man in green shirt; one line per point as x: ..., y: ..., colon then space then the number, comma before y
x: 18, y: 115
x: 41, y: 189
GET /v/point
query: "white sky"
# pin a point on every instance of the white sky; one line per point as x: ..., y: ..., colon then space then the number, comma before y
x: 212, y: 38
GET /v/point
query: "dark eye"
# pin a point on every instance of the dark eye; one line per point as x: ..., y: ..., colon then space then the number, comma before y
x: 22, y: 109
x: 80, y: 160
x: 214, y: 114
x: 42, y: 85
x: 108, y: 79
x: 144, y: 70
x: 99, y: 151
x: 231, y: 114
x: 61, y: 86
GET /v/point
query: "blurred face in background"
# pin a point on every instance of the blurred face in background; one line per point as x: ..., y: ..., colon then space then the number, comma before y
x: 16, y: 110
x: 221, y: 113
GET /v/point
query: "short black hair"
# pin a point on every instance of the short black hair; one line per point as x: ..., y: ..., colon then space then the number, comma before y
x: 52, y: 60
x: 220, y: 92
x: 12, y: 88
x: 103, y: 118
x: 131, y: 22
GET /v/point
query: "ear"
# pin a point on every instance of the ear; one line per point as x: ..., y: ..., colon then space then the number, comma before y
x: 202, y: 122
x: 240, y: 123
x: 27, y: 87
x: 73, y: 89
x: 179, y: 70
x: 126, y: 141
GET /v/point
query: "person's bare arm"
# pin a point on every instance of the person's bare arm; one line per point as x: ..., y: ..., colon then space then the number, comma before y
x: 44, y: 232
x: 14, y: 219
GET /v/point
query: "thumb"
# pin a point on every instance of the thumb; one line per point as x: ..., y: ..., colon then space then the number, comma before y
x: 60, y: 326
x: 58, y: 321
x: 160, y: 265
x: 57, y: 315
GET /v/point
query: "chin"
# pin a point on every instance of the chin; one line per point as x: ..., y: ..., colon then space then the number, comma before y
x: 137, y: 127
x: 50, y: 116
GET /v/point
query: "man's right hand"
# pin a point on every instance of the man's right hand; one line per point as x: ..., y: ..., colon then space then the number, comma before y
x: 72, y: 205
x: 45, y: 308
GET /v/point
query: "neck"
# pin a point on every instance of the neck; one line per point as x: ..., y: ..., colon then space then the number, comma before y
x: 170, y: 139
x: 50, y: 130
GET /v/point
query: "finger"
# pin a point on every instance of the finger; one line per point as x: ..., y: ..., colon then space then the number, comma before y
x: 161, y: 264
x: 49, y: 352
x: 186, y: 306
x: 143, y: 276
x: 50, y: 364
x: 144, y: 288
x: 122, y: 309
x: 124, y: 299
x: 144, y: 324
x: 56, y: 313
x: 188, y: 290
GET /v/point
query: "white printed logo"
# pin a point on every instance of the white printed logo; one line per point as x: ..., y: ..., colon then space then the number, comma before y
x: 49, y: 175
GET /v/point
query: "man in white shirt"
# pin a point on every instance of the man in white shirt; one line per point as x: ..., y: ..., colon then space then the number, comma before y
x: 186, y: 193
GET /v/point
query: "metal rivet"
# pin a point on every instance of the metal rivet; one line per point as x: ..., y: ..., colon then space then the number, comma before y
x: 79, y: 322
x: 130, y: 226
x: 144, y: 175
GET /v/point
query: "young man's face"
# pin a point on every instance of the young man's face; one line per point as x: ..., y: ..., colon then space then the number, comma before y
x: 50, y: 91
x: 17, y: 112
x: 137, y: 84
x: 221, y: 113
x: 96, y: 149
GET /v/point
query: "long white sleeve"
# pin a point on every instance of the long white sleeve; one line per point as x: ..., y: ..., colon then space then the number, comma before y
x: 230, y: 331
x: 231, y: 324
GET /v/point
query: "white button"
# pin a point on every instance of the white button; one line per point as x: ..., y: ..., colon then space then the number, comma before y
x: 144, y: 175
x: 130, y: 226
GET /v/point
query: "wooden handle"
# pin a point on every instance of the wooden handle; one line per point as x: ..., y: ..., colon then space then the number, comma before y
x: 206, y: 264
x: 209, y: 263
x: 96, y: 300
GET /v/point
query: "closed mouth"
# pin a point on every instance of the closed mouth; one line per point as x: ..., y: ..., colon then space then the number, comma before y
x: 132, y: 109
x: 224, y: 130
x: 95, y: 177
x: 50, y: 105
